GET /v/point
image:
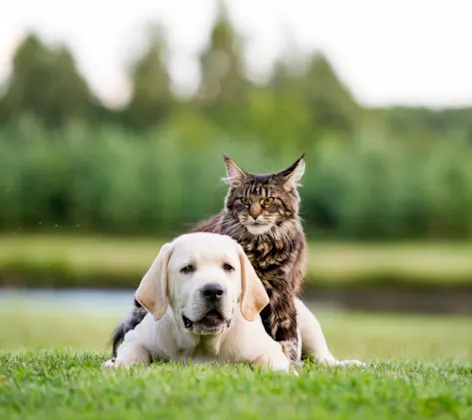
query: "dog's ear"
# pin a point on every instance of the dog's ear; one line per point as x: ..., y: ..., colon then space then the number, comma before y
x: 152, y: 291
x: 254, y: 297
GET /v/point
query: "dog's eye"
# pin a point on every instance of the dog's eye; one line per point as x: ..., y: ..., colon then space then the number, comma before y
x: 228, y: 267
x: 188, y: 269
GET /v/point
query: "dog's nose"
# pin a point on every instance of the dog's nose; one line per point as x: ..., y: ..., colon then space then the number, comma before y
x: 212, y: 292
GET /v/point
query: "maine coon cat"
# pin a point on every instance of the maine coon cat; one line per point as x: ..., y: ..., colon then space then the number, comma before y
x: 261, y: 212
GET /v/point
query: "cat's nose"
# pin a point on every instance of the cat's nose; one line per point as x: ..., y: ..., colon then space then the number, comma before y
x: 255, y: 211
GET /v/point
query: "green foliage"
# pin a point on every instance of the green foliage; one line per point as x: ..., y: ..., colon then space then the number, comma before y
x: 45, y: 83
x: 152, y: 96
x: 112, y: 181
x: 392, y: 190
x: 331, y: 107
x: 153, y: 167
x: 223, y: 81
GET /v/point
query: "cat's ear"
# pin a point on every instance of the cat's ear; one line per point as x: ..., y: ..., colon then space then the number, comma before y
x: 294, y: 173
x: 234, y: 174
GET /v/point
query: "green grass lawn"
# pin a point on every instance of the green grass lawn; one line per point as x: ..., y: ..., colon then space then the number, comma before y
x: 66, y: 385
x: 419, y: 367
x: 37, y: 260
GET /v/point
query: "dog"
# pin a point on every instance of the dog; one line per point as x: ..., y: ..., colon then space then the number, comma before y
x: 204, y: 300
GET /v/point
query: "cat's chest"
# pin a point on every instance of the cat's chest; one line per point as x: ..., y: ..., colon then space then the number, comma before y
x: 267, y: 255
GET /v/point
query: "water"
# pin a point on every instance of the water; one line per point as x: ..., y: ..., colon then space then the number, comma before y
x: 118, y: 302
x: 96, y: 302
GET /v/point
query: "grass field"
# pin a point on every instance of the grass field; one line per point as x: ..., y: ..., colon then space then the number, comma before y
x: 117, y: 262
x: 419, y: 367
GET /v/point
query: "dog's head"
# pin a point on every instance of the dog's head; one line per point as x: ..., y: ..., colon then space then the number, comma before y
x: 202, y: 277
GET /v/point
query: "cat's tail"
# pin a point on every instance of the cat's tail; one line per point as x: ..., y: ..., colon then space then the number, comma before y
x: 135, y: 316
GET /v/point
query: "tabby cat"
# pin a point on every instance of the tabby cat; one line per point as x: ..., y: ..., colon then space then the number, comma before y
x: 261, y: 212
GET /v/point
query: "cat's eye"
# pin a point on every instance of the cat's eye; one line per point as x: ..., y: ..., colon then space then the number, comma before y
x: 246, y: 201
x: 268, y: 201
x: 228, y: 267
x: 189, y: 268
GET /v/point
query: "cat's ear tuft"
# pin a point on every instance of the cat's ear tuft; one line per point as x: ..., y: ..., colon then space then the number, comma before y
x: 234, y: 174
x: 294, y: 173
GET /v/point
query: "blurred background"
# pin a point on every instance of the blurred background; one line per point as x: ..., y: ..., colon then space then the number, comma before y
x: 114, y: 115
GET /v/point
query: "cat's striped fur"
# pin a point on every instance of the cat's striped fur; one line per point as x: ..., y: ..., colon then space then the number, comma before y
x: 261, y: 212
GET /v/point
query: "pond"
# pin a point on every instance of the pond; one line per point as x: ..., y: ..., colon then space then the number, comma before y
x: 108, y: 302
x: 385, y: 299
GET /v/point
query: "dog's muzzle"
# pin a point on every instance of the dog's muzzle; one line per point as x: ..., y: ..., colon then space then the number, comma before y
x: 213, y: 321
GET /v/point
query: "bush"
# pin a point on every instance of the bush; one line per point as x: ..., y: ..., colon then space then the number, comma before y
x: 159, y: 182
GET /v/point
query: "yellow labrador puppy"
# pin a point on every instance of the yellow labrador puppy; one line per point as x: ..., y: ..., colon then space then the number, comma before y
x: 204, y: 299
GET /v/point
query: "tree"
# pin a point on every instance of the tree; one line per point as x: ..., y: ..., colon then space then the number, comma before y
x: 332, y: 107
x: 152, y: 97
x: 278, y: 113
x: 223, y: 83
x: 45, y: 83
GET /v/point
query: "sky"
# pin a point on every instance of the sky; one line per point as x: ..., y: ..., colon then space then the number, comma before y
x: 389, y: 52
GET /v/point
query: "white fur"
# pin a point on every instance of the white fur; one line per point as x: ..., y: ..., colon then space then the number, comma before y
x: 254, y: 229
x: 162, y: 333
x: 299, y: 172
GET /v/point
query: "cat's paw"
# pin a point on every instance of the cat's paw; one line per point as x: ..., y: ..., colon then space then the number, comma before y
x: 330, y: 360
x: 110, y: 363
x: 348, y: 363
x: 352, y: 362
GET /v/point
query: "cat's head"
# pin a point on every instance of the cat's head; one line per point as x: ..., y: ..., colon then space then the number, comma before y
x: 262, y: 201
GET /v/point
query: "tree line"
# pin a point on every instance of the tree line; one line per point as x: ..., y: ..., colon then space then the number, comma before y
x: 152, y: 167
x: 302, y: 101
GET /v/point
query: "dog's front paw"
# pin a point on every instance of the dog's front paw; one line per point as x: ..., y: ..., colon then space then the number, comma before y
x: 276, y: 362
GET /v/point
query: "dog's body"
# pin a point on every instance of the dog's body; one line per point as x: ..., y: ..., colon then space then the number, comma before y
x: 167, y: 340
x: 204, y: 300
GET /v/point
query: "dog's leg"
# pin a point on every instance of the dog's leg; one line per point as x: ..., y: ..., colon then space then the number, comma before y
x: 129, y: 353
x: 249, y: 342
x: 313, y: 339
x: 278, y: 363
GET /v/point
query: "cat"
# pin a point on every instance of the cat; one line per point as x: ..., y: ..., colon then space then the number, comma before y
x: 261, y: 212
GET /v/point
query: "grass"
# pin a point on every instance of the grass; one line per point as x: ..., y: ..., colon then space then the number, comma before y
x: 419, y: 367
x: 46, y: 260
x: 66, y: 385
